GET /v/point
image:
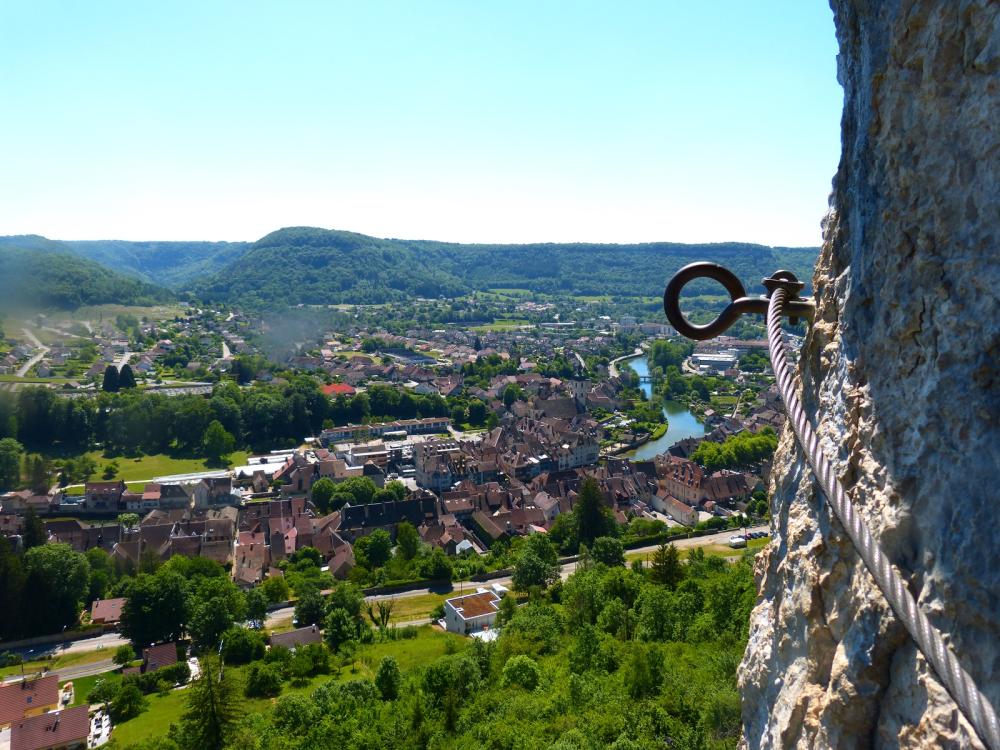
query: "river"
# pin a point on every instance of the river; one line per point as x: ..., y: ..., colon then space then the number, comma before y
x: 680, y: 422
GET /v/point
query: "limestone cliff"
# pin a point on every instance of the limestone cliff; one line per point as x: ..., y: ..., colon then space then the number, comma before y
x: 902, y: 376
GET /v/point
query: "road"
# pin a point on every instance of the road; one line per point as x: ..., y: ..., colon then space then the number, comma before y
x: 123, y: 360
x: 35, y: 359
x: 111, y: 641
x: 566, y: 570
x: 613, y: 364
x: 226, y: 354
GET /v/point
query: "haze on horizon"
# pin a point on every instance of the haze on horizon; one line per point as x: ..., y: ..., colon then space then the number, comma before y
x: 527, y: 122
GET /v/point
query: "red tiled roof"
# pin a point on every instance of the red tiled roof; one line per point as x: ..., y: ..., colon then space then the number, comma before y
x: 17, y: 698
x: 338, y: 389
x: 57, y: 729
x: 107, y: 610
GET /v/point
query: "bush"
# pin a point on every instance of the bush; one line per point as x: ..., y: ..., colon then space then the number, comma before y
x: 388, y: 679
x: 522, y: 671
x: 123, y: 655
x: 151, y: 682
x: 127, y: 703
x: 242, y: 646
x: 263, y: 680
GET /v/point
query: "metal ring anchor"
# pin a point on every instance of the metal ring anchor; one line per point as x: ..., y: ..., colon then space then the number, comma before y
x: 740, y: 303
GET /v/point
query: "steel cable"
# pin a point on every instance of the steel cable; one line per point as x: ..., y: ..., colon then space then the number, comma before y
x: 972, y: 703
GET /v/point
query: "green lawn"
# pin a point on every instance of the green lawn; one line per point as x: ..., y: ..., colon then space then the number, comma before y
x: 147, y: 467
x: 712, y: 550
x: 33, y: 379
x: 501, y: 324
x: 408, y: 608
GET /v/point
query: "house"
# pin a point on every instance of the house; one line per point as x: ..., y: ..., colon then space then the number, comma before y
x: 103, y: 495
x: 28, y: 697
x: 162, y: 655
x: 61, y: 730
x: 338, y: 389
x: 106, y: 611
x: 300, y: 637
x: 473, y: 613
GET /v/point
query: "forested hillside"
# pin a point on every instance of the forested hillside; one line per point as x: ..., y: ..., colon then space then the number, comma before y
x: 170, y: 264
x: 36, y: 273
x: 317, y: 266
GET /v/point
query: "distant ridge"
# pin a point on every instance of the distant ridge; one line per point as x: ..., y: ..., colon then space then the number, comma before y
x: 37, y: 273
x: 307, y: 265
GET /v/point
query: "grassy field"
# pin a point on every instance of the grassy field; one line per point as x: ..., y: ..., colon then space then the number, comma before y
x: 429, y: 644
x: 409, y: 608
x: 147, y: 467
x: 713, y: 550
x: 501, y: 324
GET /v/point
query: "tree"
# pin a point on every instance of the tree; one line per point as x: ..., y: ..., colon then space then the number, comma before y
x: 13, y: 622
x: 380, y: 613
x: 128, y: 520
x: 10, y: 463
x: 39, y: 471
x: 127, y: 703
x: 57, y: 579
x: 340, y: 628
x: 347, y: 596
x: 110, y: 382
x: 212, y: 709
x: 156, y: 608
x: 256, y: 604
x: 522, y: 671
x: 309, y: 609
x: 216, y: 442
x: 275, y: 588
x: 507, y: 610
x: 33, y: 533
x: 361, y: 488
x: 322, y: 491
x: 609, y: 551
x: 374, y: 550
x: 126, y: 378
x: 123, y: 655
x: 511, y: 394
x: 666, y: 568
x: 531, y: 570
x: 388, y: 678
x: 407, y: 540
x: 242, y: 646
x: 593, y: 518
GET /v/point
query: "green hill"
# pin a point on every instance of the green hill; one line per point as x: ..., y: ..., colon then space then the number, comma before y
x: 171, y: 264
x: 36, y: 273
x: 304, y: 265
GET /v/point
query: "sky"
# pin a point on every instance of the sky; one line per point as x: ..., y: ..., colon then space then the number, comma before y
x: 539, y: 121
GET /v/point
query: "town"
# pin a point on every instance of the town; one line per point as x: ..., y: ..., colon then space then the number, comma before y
x: 443, y: 458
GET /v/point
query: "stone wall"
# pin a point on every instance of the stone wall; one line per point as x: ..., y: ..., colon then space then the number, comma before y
x: 901, y: 372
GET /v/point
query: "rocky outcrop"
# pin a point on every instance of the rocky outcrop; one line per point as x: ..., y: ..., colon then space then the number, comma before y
x: 902, y: 376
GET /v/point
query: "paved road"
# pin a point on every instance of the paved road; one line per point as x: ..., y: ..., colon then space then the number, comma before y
x: 566, y: 570
x: 35, y: 359
x: 123, y: 360
x: 112, y: 640
x: 613, y: 364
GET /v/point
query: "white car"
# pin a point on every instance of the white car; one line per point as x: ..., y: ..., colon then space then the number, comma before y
x: 737, y: 540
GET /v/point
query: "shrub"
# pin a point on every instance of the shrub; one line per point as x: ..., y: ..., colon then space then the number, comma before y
x: 522, y: 671
x: 242, y: 646
x: 263, y: 680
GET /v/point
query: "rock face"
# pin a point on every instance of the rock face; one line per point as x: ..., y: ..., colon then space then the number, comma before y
x: 901, y: 374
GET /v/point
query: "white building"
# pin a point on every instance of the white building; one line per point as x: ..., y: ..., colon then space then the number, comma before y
x: 473, y: 613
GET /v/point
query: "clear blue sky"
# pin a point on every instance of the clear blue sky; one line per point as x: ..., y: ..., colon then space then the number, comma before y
x: 466, y: 121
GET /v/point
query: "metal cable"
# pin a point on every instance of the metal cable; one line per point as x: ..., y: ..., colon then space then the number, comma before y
x: 973, y: 704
